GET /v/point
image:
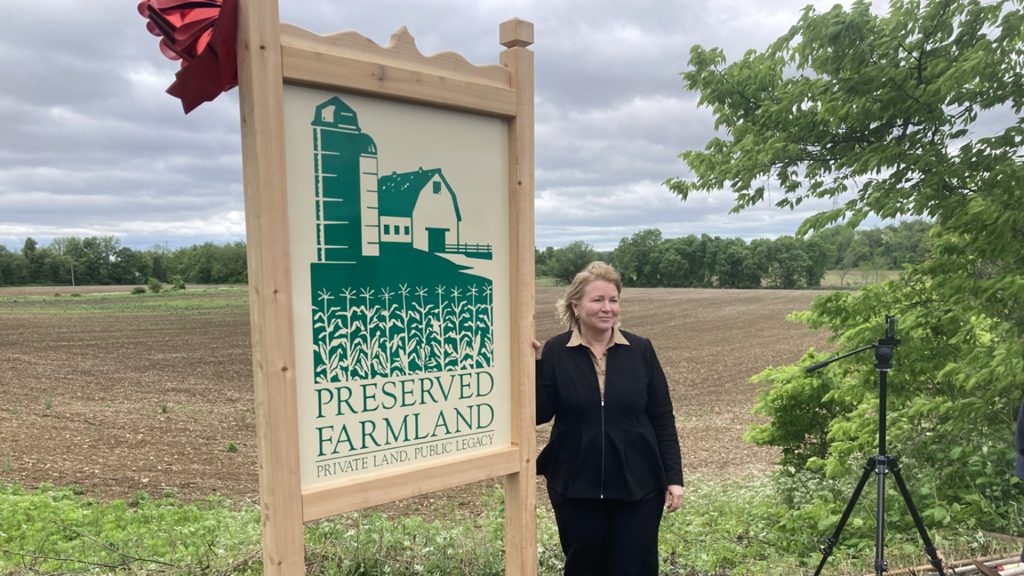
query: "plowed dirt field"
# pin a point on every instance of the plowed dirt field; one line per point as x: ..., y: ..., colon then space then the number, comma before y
x: 118, y: 394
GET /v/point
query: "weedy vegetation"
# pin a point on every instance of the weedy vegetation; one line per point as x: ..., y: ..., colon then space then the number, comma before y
x: 723, y: 529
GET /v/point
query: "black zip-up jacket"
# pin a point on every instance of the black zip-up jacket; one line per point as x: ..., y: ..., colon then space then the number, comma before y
x: 625, y: 450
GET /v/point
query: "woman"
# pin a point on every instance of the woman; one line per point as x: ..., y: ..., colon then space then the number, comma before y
x: 612, y: 463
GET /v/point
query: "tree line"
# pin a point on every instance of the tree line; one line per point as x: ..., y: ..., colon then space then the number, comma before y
x: 646, y: 259
x: 103, y: 260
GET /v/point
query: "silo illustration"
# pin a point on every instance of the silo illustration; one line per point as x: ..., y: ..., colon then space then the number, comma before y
x: 345, y: 172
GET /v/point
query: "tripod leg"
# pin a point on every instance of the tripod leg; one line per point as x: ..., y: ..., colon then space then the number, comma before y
x: 881, y: 469
x: 929, y: 548
x: 832, y: 540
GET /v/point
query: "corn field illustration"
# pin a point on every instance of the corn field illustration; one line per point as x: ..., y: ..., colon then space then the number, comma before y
x: 366, y: 333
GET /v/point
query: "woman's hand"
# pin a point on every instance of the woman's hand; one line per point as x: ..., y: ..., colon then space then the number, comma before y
x: 673, y: 498
x: 536, y: 348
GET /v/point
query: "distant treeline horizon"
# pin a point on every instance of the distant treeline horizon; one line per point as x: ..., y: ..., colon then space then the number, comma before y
x: 645, y: 259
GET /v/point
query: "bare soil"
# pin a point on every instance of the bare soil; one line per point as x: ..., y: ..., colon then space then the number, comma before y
x: 121, y: 401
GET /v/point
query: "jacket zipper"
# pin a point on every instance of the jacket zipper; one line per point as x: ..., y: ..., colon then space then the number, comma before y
x: 602, y: 446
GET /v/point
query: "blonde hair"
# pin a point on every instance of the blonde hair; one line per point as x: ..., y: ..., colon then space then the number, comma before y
x: 596, y: 270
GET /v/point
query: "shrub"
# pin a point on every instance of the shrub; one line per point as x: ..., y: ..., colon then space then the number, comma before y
x: 139, y: 290
x: 138, y: 499
x: 154, y: 285
x: 955, y: 373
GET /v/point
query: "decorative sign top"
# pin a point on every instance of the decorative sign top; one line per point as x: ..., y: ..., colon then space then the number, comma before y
x: 398, y: 71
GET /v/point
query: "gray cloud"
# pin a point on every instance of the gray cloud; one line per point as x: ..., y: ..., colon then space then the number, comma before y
x: 91, y: 144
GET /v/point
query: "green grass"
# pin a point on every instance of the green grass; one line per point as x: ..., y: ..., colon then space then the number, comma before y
x: 166, y: 302
x: 724, y: 529
x: 734, y: 528
x: 853, y: 279
x: 53, y: 530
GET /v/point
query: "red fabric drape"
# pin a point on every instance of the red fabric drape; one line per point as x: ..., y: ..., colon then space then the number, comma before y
x: 200, y: 33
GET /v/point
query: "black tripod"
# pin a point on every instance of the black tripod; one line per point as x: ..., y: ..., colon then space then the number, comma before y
x: 880, y: 463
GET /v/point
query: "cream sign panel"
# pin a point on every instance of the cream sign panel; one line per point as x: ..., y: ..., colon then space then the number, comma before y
x: 399, y: 231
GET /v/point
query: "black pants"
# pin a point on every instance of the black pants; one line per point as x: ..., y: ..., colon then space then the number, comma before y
x: 609, y: 537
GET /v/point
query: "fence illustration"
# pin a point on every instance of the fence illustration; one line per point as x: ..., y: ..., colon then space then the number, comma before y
x: 470, y: 250
x: 366, y: 333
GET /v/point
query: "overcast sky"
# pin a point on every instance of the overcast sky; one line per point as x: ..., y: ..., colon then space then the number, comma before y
x: 90, y: 145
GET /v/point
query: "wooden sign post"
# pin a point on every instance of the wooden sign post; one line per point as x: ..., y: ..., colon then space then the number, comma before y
x: 389, y: 215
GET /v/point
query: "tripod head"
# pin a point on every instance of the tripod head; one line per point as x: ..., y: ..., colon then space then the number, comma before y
x: 886, y: 346
x: 884, y: 350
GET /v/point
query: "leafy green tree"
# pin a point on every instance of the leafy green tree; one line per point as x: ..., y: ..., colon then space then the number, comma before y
x: 38, y: 262
x: 28, y: 249
x: 130, y: 266
x: 708, y: 250
x: 209, y: 263
x: 787, y: 264
x: 916, y: 113
x: 906, y: 243
x: 733, y: 266
x: 634, y: 258
x: 679, y: 262
x: 888, y: 248
x: 229, y: 264
x: 94, y: 265
x: 102, y: 260
x: 760, y: 257
x: 817, y: 261
x: 14, y: 269
x: 71, y: 255
x: 195, y: 263
x: 159, y: 258
x: 542, y: 260
x: 45, y: 266
x: 868, y: 250
x: 837, y: 240
x: 569, y: 260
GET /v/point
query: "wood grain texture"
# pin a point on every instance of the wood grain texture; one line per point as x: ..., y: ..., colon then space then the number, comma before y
x: 521, y: 488
x: 349, y: 61
x: 373, y: 489
x: 261, y: 101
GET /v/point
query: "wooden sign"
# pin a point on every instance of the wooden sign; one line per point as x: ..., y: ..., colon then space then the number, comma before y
x: 389, y: 211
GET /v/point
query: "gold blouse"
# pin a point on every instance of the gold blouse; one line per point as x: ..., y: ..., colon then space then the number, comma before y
x: 599, y: 363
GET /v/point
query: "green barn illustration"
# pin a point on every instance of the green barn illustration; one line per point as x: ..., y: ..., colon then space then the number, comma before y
x: 388, y: 296
x: 420, y: 208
